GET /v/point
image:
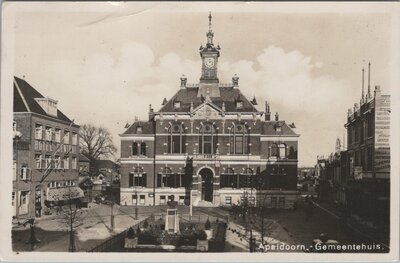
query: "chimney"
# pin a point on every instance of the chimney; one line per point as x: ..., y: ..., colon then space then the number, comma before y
x: 377, y: 91
x: 267, y: 112
x: 235, y: 81
x: 349, y: 113
x: 355, y: 108
x: 183, y: 82
x: 276, y: 116
x: 151, y: 113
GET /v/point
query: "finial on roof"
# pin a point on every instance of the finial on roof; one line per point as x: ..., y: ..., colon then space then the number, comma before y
x: 254, y: 101
x: 209, y: 21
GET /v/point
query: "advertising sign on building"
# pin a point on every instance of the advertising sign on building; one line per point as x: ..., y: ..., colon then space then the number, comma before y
x: 382, y: 135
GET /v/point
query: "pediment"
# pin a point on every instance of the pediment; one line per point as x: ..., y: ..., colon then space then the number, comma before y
x: 207, y: 110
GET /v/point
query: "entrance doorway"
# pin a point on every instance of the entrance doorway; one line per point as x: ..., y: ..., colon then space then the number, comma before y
x: 206, y: 184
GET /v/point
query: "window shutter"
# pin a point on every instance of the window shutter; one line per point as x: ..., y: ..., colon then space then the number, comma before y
x: 130, y: 180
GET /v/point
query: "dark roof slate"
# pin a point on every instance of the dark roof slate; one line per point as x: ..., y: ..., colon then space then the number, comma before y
x: 228, y: 95
x: 29, y: 94
x: 147, y: 128
x: 269, y: 128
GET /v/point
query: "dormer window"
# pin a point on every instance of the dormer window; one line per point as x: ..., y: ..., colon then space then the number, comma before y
x: 139, y: 129
x: 177, y: 104
x: 48, y: 105
x: 239, y: 105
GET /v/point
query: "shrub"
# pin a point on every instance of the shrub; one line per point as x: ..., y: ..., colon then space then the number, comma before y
x: 147, y: 237
x: 145, y: 224
x: 207, y: 225
x: 130, y: 233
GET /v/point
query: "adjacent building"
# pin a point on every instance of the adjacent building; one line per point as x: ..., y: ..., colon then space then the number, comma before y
x: 368, y: 133
x: 46, y: 153
x: 209, y: 145
x: 358, y: 178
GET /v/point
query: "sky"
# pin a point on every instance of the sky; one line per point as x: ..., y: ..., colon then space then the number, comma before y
x: 106, y: 66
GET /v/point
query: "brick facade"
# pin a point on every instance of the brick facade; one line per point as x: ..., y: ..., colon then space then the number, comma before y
x: 209, y: 143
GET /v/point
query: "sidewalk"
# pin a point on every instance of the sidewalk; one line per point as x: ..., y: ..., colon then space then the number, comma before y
x: 94, y: 228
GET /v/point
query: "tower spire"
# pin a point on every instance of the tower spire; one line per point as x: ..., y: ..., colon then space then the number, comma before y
x: 210, y: 34
x: 369, y: 79
x: 209, y: 21
x: 362, y: 93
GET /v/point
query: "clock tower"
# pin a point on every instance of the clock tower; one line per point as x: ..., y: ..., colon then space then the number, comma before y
x: 209, y: 55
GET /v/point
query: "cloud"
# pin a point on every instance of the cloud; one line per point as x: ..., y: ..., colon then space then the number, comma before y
x: 110, y: 90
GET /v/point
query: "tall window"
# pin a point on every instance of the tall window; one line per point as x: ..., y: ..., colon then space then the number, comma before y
x: 274, y: 150
x: 176, y: 138
x: 48, y: 133
x: 38, y: 132
x: 239, y: 139
x: 66, y: 137
x: 135, y: 149
x: 229, y: 179
x: 138, y: 148
x: 38, y: 161
x: 169, y: 179
x: 207, y: 139
x: 247, y: 178
x: 66, y: 163
x: 137, y: 177
x: 278, y: 150
x: 74, y: 138
x: 282, y: 150
x: 143, y: 148
x: 14, y: 126
x: 74, y: 163
x: 58, y: 135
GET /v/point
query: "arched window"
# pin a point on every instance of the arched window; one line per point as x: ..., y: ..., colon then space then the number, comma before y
x: 143, y: 148
x: 137, y: 177
x: 274, y: 150
x: 207, y: 139
x: 135, y: 150
x: 176, y: 140
x: 282, y: 150
x: 239, y: 139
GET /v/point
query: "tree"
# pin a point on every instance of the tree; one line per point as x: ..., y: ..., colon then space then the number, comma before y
x: 72, y: 218
x: 96, y: 142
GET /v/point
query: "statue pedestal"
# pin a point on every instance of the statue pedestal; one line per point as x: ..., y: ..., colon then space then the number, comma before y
x: 172, y: 221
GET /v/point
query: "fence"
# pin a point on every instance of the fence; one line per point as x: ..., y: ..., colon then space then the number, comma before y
x: 116, y: 242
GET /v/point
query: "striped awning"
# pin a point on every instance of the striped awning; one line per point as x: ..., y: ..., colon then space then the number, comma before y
x: 65, y: 193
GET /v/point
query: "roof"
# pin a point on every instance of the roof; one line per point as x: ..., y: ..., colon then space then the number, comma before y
x: 147, y: 128
x: 228, y: 95
x: 269, y: 128
x: 28, y: 94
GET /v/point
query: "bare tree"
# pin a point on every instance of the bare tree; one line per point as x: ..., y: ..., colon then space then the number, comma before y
x: 72, y: 217
x: 96, y: 142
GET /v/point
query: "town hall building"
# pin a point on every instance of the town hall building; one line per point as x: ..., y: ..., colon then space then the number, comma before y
x: 208, y: 145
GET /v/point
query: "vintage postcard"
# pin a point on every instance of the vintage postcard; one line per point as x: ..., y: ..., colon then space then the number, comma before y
x: 179, y: 131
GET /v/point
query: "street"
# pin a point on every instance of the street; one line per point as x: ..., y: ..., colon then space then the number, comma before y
x: 290, y: 227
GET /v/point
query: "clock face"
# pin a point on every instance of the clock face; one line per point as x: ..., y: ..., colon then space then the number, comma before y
x: 209, y: 62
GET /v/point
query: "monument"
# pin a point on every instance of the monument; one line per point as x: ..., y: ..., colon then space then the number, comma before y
x: 172, y: 219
